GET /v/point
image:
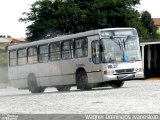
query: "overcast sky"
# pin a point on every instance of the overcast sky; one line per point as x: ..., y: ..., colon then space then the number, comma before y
x: 153, y: 6
x: 11, y: 11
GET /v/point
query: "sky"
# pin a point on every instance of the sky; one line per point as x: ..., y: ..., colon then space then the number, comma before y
x: 152, y: 6
x: 11, y: 11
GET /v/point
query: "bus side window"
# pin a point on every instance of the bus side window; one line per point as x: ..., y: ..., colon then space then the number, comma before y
x: 12, y: 58
x: 43, y: 53
x: 55, y: 51
x: 67, y: 50
x: 81, y: 48
x: 22, y: 56
x: 95, y: 52
x: 32, y: 55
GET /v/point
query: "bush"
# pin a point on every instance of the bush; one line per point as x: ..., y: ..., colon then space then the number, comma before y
x: 158, y: 31
x: 3, y: 67
x: 3, y: 58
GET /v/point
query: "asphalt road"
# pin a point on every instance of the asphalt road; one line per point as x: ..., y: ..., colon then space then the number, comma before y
x: 140, y: 96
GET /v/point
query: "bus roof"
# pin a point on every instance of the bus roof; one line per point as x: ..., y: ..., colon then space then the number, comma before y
x: 64, y: 37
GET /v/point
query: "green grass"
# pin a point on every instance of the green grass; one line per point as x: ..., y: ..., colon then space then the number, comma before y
x: 3, y: 57
x: 5, y: 85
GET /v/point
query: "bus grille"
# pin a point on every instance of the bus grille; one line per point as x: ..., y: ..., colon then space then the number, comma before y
x: 120, y: 71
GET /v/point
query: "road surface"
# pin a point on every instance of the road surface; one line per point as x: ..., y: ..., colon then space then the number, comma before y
x: 140, y: 96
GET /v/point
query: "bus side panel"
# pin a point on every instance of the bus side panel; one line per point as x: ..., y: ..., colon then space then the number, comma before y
x: 12, y: 72
x: 31, y: 68
x: 55, y: 74
x: 68, y: 79
x: 43, y: 76
x: 83, y: 63
x: 18, y: 76
x: 22, y: 76
x: 23, y: 72
x: 20, y: 83
x: 12, y: 75
x: 68, y: 71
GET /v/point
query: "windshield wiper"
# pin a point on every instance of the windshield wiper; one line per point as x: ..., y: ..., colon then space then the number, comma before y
x: 125, y: 40
x: 117, y: 42
x: 124, y: 43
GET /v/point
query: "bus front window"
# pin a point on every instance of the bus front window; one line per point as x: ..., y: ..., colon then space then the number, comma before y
x: 132, y: 49
x: 120, y: 49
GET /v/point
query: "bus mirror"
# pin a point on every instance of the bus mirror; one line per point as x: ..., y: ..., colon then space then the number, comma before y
x: 94, y: 54
x: 101, y: 48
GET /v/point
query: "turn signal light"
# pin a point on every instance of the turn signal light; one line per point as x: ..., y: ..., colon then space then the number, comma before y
x: 105, y: 72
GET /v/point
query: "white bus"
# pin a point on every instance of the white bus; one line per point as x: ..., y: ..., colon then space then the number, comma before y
x: 88, y: 59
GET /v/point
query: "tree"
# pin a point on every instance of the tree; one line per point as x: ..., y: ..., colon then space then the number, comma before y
x: 149, y: 24
x: 56, y: 17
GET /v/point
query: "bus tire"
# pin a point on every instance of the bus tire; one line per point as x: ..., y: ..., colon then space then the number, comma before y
x: 82, y: 81
x: 63, y: 88
x: 116, y: 84
x: 33, y: 86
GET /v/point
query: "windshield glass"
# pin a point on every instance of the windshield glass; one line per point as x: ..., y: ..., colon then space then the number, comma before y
x: 120, y: 49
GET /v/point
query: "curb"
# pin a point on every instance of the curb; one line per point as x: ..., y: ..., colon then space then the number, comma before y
x: 156, y: 78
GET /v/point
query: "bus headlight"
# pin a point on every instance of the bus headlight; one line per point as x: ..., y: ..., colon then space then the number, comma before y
x: 138, y: 69
x: 110, y: 72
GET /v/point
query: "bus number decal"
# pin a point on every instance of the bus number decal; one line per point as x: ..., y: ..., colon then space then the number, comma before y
x: 111, y: 66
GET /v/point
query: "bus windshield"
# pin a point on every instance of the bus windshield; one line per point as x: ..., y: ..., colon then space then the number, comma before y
x: 120, y: 49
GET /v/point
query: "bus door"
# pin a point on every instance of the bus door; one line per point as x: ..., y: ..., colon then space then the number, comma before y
x: 95, y: 59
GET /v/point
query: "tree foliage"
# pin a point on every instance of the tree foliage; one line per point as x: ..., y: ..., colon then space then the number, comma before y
x: 50, y: 18
x: 149, y: 24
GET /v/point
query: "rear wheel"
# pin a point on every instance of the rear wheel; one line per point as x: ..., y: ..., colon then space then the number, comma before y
x: 116, y: 84
x: 33, y: 86
x: 82, y: 81
x: 63, y: 88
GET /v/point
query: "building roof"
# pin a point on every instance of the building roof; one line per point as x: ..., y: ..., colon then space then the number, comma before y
x: 4, y: 40
x: 16, y: 39
x: 156, y: 21
x: 7, y: 41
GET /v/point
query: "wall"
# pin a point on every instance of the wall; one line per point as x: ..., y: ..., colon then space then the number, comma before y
x: 3, y: 66
x: 3, y: 74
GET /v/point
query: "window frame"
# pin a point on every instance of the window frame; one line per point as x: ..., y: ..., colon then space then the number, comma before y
x: 12, y: 58
x: 22, y: 57
x: 34, y: 55
x: 81, y: 48
x: 52, y: 52
x: 41, y: 54
x: 70, y: 49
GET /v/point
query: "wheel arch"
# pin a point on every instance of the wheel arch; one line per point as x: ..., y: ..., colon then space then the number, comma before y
x: 79, y: 69
x: 82, y: 79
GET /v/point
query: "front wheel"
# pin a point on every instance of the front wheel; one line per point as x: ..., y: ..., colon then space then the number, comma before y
x: 63, y: 88
x: 116, y: 84
x: 82, y: 81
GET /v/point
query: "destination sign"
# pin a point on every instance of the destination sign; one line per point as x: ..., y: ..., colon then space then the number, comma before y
x: 108, y: 33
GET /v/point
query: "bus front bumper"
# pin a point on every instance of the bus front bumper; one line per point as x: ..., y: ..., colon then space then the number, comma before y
x: 138, y: 75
